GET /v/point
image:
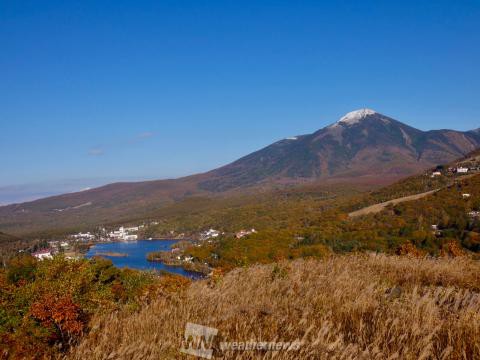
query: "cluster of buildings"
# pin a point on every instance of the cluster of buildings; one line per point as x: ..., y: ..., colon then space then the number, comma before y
x: 54, y: 247
x: 43, y: 254
x: 125, y: 233
x: 465, y: 169
x: 474, y: 214
x: 83, y: 236
x: 209, y: 234
x: 461, y: 170
x: 59, y: 245
x: 68, y: 245
x: 212, y: 234
x: 102, y: 235
x: 185, y: 258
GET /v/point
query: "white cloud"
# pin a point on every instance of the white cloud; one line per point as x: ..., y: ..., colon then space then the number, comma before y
x: 145, y: 135
x: 100, y: 150
x: 96, y: 152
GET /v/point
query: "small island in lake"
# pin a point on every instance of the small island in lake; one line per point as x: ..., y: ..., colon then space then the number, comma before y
x: 111, y: 254
x: 174, y: 258
x: 165, y: 257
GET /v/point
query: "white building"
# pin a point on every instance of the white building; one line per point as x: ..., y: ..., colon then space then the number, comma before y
x: 474, y: 214
x: 123, y: 234
x: 243, y: 233
x: 132, y: 229
x: 53, y: 244
x: 117, y: 233
x: 84, y: 236
x: 462, y: 170
x: 43, y: 254
x: 212, y: 233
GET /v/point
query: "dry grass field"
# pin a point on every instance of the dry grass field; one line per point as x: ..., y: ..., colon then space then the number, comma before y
x: 343, y: 307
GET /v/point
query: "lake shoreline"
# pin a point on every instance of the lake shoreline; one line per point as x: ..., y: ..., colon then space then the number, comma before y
x: 133, y: 256
x: 178, y: 259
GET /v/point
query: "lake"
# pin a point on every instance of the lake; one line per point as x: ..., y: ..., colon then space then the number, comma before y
x: 137, y: 255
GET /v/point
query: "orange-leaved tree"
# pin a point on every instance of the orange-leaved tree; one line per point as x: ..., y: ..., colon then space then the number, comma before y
x: 61, y: 315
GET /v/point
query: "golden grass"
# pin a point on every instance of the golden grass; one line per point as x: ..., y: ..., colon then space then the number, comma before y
x: 344, y: 307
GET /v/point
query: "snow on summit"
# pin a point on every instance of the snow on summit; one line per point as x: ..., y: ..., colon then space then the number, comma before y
x: 354, y: 117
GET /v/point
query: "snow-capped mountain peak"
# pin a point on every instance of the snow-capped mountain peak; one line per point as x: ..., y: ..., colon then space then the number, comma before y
x: 356, y: 116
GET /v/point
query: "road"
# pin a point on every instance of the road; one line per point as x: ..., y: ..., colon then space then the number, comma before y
x: 372, y: 209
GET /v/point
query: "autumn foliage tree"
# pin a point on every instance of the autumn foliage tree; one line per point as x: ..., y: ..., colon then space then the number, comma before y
x: 45, y: 305
x: 60, y: 314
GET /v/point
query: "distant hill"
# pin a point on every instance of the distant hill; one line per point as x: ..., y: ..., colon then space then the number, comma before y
x: 7, y: 238
x: 362, y: 147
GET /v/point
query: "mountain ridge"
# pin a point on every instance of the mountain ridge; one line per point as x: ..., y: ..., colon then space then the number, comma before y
x: 352, y: 146
x: 361, y: 146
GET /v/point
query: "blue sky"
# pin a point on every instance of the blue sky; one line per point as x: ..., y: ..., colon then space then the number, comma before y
x: 118, y: 90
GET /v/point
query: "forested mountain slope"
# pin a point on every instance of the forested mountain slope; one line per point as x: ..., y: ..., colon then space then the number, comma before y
x: 362, y: 147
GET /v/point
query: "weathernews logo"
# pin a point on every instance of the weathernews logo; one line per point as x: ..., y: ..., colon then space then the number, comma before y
x: 198, y: 341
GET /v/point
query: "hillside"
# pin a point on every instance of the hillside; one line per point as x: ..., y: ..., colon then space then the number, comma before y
x: 345, y: 307
x: 277, y: 208
x: 363, y: 147
x: 373, y: 209
x: 359, y: 306
x: 5, y: 238
x: 299, y: 223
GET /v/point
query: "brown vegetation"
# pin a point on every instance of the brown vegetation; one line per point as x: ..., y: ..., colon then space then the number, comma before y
x: 45, y: 306
x: 345, y: 307
x: 372, y: 209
